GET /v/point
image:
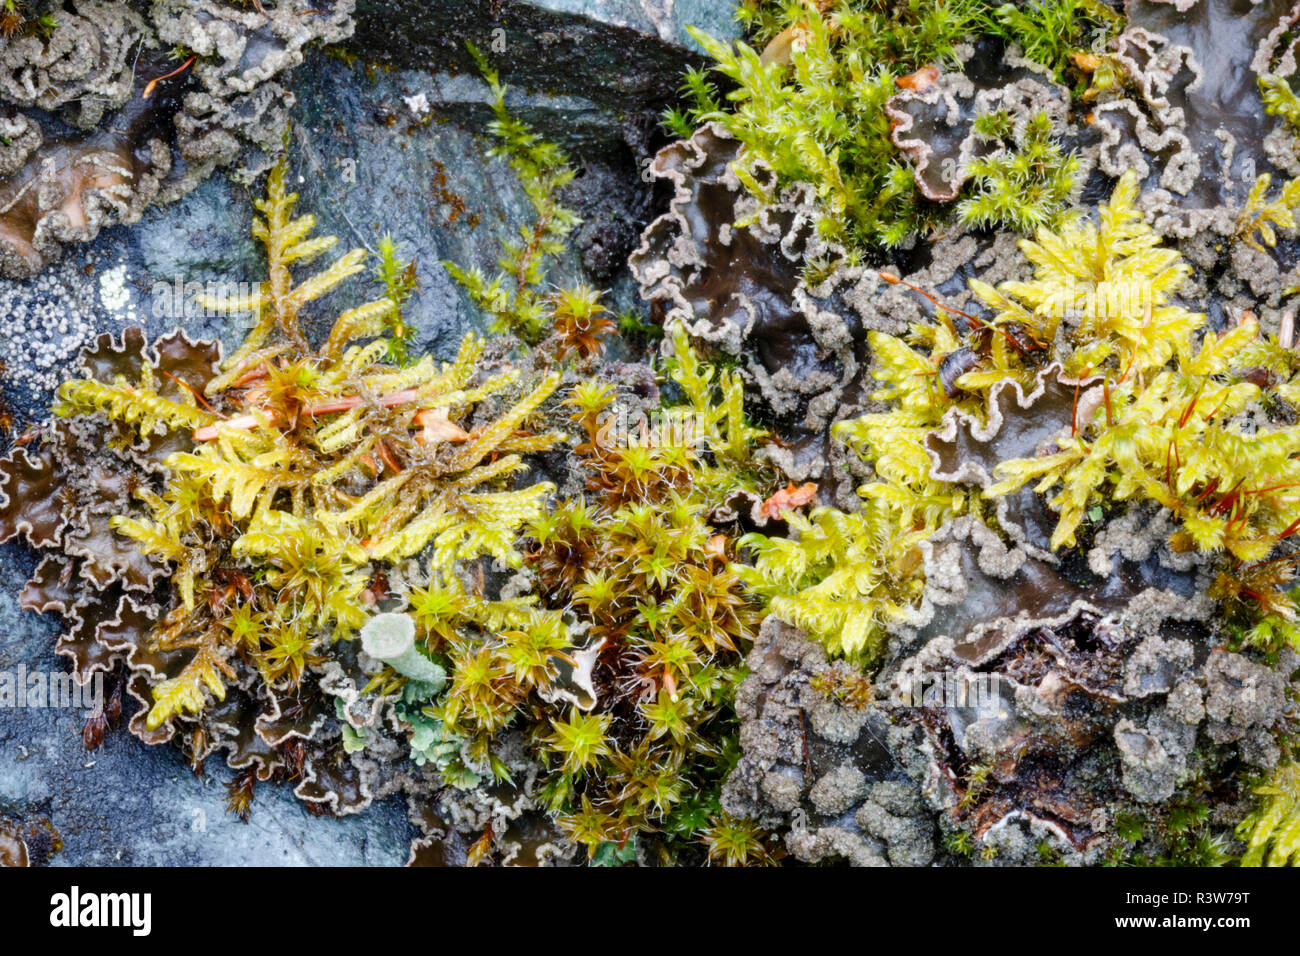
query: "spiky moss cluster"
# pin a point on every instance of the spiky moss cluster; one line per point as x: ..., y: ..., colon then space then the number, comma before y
x: 269, y: 495
x: 635, y: 728
x: 647, y: 571
x: 1280, y: 99
x: 1027, y: 183
x: 810, y: 106
x: 621, y: 664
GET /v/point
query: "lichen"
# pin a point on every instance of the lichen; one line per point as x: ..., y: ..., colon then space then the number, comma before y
x: 973, y: 551
x: 138, y: 128
x: 733, y: 274
x: 25, y: 843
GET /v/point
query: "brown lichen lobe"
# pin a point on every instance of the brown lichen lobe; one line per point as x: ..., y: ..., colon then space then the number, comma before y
x: 103, y: 155
x: 743, y: 290
x: 932, y: 124
x: 967, y: 451
x: 28, y: 843
x: 1191, y: 120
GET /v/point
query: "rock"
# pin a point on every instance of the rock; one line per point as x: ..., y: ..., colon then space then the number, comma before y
x: 623, y: 55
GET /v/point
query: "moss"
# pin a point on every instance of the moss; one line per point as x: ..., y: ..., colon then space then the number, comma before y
x: 1272, y: 832
x: 1167, y: 427
x: 1261, y: 217
x: 300, y: 476
x: 649, y: 578
x: 1053, y: 33
x: 1026, y: 184
x: 299, y: 472
x: 26, y: 18
x: 512, y: 297
x: 810, y: 106
x: 399, y: 280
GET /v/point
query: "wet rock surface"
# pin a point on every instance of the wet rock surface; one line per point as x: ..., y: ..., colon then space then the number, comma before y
x: 618, y: 54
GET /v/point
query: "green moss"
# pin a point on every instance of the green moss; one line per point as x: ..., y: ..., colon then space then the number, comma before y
x: 310, y: 468
x: 1163, y: 425
x: 1272, y: 832
x: 1026, y: 184
x: 807, y: 100
x: 1280, y: 99
x: 647, y: 575
x: 1051, y: 31
x: 26, y: 18
x: 514, y: 297
x: 1261, y: 217
x: 844, y: 577
x: 1167, y: 429
x: 572, y: 321
x: 399, y: 279
x: 812, y: 106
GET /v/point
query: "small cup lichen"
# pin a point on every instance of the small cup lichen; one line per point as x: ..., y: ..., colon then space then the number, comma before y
x: 390, y: 638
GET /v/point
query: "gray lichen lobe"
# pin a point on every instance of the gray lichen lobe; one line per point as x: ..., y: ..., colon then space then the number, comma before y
x: 818, y: 769
x: 103, y: 131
